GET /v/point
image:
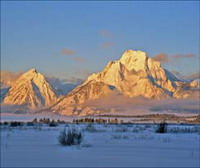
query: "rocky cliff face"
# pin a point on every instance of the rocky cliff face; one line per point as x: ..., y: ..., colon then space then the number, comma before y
x: 30, y: 90
x: 133, y: 75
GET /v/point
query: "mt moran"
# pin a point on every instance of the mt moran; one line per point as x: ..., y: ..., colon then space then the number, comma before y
x: 133, y: 75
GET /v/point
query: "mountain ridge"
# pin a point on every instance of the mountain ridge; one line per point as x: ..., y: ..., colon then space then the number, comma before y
x: 133, y: 75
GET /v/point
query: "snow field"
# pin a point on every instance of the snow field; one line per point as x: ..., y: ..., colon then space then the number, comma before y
x: 102, y: 146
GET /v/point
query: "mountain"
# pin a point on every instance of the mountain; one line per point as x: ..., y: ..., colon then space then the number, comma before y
x: 30, y: 91
x: 133, y: 75
x: 61, y: 86
x: 89, y: 91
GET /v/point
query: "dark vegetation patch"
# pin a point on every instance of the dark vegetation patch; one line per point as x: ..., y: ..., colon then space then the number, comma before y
x: 70, y: 137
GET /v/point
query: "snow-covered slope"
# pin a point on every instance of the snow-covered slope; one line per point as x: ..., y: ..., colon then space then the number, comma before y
x: 30, y: 90
x: 89, y: 91
x: 133, y: 75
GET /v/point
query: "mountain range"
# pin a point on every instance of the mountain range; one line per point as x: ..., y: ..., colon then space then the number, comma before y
x: 133, y: 75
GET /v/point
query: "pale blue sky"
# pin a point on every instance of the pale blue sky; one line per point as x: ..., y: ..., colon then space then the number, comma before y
x: 34, y: 34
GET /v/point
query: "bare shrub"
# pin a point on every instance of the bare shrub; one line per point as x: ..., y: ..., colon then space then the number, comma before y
x: 69, y: 138
x: 161, y: 128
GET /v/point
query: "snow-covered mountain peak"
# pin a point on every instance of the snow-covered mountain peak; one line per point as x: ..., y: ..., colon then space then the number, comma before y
x: 134, y: 60
x: 31, y: 90
x: 33, y: 70
x: 132, y: 54
x: 30, y: 74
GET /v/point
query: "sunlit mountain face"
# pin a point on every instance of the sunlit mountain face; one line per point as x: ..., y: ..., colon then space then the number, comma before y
x: 133, y: 76
x: 30, y: 90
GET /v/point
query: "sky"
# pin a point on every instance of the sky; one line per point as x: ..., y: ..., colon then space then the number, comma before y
x: 74, y: 39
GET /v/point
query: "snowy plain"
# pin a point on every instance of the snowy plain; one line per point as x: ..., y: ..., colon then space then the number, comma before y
x: 105, y: 145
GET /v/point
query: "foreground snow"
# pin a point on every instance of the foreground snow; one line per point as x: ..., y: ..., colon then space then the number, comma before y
x: 103, y: 145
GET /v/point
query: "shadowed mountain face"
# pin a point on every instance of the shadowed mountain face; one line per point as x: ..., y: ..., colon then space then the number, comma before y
x: 30, y: 90
x: 133, y: 75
